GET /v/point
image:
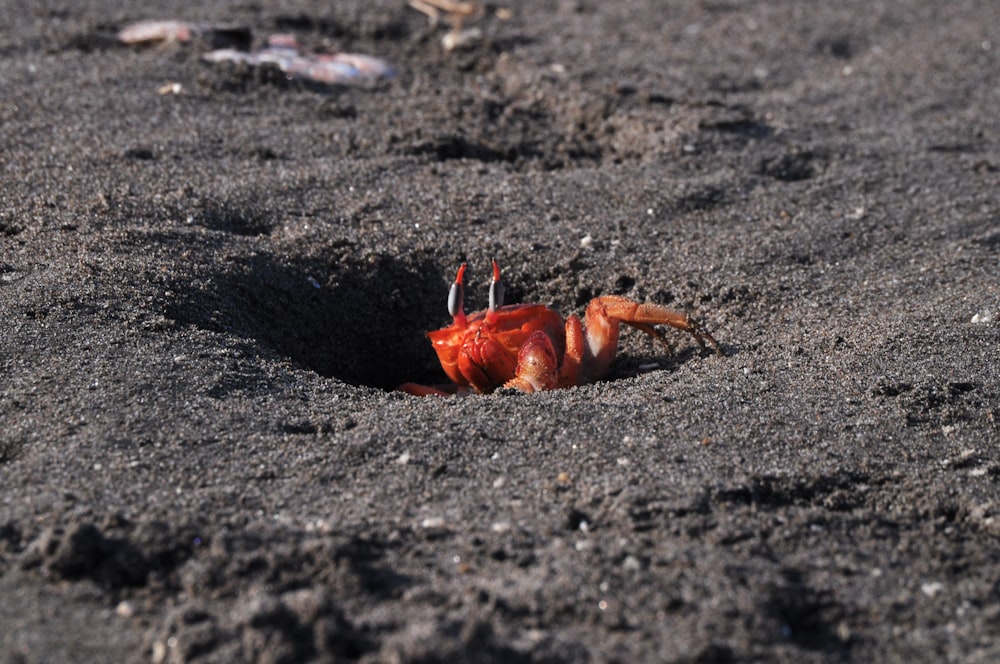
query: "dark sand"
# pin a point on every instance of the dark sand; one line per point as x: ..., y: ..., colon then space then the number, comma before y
x: 205, y: 295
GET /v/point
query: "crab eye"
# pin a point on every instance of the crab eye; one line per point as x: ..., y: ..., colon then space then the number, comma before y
x: 455, y: 297
x: 496, y: 289
x: 496, y: 295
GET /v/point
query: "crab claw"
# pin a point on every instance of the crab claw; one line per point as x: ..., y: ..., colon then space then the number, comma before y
x: 537, y: 365
x: 456, y: 298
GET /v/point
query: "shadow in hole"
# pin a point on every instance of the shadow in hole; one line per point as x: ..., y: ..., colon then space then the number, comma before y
x: 361, y: 321
x: 809, y: 617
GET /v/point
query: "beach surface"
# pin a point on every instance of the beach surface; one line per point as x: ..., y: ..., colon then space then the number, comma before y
x: 212, y: 277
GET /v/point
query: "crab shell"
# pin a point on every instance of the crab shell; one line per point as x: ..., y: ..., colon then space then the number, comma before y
x: 484, y: 355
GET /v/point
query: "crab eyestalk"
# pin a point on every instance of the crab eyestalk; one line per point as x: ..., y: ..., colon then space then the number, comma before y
x: 496, y: 289
x: 456, y: 297
x: 496, y: 294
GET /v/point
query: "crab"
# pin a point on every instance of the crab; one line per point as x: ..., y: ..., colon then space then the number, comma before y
x: 529, y: 347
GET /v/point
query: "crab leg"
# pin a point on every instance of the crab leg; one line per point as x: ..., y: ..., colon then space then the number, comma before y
x: 605, y: 315
x: 571, y: 371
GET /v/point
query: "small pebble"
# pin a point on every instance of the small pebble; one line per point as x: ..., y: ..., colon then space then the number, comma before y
x: 983, y: 317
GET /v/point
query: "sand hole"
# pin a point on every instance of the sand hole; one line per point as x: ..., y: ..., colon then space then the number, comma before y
x: 361, y: 321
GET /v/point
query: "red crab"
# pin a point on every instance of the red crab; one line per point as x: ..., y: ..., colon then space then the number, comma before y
x: 528, y: 346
